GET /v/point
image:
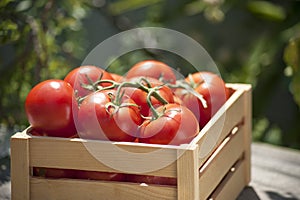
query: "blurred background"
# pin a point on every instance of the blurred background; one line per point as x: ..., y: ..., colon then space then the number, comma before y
x: 255, y: 42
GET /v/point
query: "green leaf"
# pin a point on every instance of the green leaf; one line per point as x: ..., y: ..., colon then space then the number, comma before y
x: 120, y: 7
x: 195, y: 7
x: 23, y: 5
x: 267, y: 10
x: 295, y: 87
x: 8, y: 31
x: 292, y: 54
x: 3, y: 3
x: 292, y: 59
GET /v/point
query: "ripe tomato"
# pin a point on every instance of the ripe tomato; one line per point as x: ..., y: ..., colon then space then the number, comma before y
x: 176, y: 125
x: 140, y: 97
x: 116, y: 77
x: 213, y: 90
x: 102, y: 176
x: 157, y: 180
x: 78, y: 76
x: 100, y: 117
x: 53, y: 172
x: 154, y: 69
x: 49, y: 108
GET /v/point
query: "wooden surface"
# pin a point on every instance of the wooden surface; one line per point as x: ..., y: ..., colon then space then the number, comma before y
x: 275, y: 175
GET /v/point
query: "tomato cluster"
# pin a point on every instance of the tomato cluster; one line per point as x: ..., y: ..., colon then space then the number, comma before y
x: 146, y: 105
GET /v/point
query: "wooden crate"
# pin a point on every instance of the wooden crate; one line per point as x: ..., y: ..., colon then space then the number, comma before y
x: 215, y: 165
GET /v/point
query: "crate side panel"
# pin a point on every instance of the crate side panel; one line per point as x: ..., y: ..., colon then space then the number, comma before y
x: 213, y: 171
x: 75, y: 154
x: 220, y: 126
x: 20, y: 171
x: 63, y: 189
x: 233, y: 183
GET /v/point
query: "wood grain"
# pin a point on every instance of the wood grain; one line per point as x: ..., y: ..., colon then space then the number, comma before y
x: 63, y: 189
x: 188, y: 174
x: 220, y: 163
x: 232, y: 184
x: 20, y: 188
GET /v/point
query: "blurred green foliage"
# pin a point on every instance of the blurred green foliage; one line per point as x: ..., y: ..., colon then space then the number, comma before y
x: 256, y: 42
x: 39, y: 40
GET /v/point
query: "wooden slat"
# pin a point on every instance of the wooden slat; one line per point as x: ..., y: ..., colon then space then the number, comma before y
x: 63, y: 189
x: 188, y: 175
x: 232, y: 184
x: 213, y: 171
x: 102, y: 156
x: 20, y: 167
x: 211, y: 136
x: 248, y: 132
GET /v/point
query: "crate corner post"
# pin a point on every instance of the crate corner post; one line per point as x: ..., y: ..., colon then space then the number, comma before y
x: 248, y: 131
x: 188, y: 173
x: 20, y: 172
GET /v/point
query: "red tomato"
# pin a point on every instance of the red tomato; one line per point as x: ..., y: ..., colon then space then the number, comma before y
x: 53, y: 173
x: 116, y: 77
x: 49, y: 108
x: 213, y: 90
x: 177, y: 125
x: 154, y: 69
x: 151, y: 179
x: 99, y: 117
x: 102, y: 176
x: 140, y: 97
x: 78, y: 76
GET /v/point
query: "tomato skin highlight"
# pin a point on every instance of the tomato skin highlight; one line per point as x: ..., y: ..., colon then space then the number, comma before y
x: 99, y: 118
x: 49, y: 108
x: 78, y: 76
x: 213, y: 90
x: 154, y: 69
x: 176, y: 126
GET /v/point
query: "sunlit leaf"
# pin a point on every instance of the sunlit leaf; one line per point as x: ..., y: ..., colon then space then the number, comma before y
x: 23, y: 5
x: 195, y: 7
x: 4, y: 3
x: 120, y: 7
x: 292, y: 59
x: 267, y: 10
x: 292, y: 54
x: 8, y: 31
x: 295, y: 87
x: 214, y: 14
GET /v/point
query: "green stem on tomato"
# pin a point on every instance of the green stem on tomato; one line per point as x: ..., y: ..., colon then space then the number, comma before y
x: 138, y: 84
x: 144, y: 88
x: 187, y: 87
x: 153, y: 110
x: 146, y: 81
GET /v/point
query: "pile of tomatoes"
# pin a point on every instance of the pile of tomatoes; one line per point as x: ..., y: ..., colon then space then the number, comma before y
x: 147, y: 105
